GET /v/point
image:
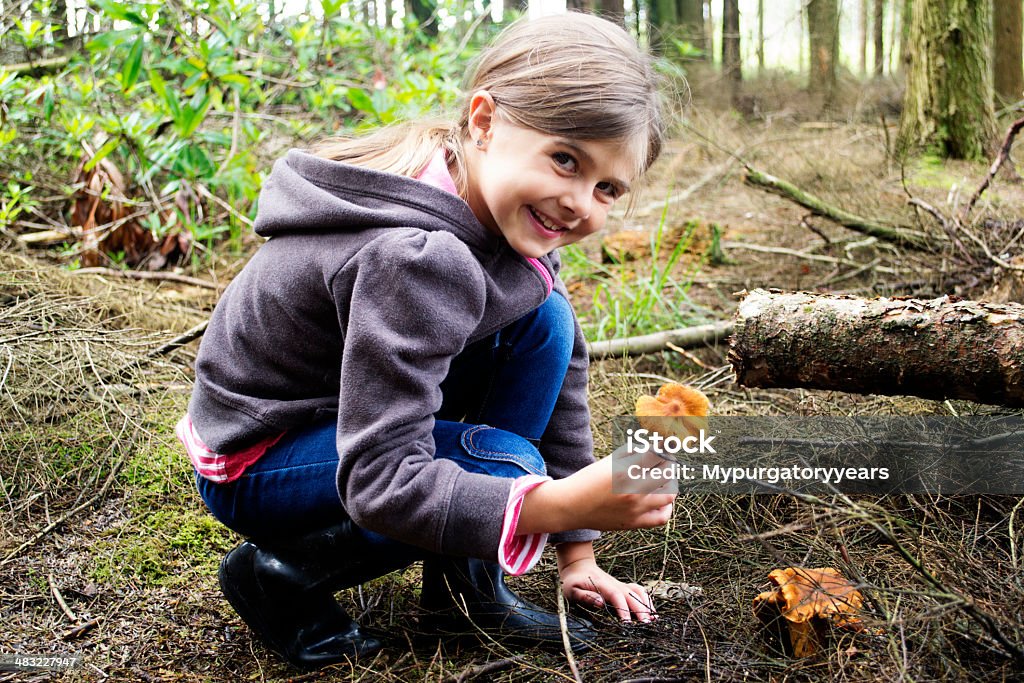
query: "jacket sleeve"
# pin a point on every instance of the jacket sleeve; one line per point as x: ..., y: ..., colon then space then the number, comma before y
x: 567, y: 443
x: 407, y: 304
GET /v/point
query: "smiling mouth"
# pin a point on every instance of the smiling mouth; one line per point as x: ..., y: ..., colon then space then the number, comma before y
x: 546, y: 222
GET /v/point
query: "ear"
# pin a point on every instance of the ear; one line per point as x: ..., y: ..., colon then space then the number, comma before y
x: 481, y: 115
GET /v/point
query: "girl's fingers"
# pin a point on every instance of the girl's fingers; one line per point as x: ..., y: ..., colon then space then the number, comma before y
x: 618, y: 602
x: 656, y: 517
x: 641, y: 603
x: 587, y: 597
x: 624, y: 599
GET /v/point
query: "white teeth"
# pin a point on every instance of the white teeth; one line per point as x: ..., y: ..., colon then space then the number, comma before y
x: 546, y: 223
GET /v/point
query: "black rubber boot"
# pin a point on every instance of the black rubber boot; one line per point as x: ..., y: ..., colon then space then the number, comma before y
x: 285, y: 593
x: 463, y: 596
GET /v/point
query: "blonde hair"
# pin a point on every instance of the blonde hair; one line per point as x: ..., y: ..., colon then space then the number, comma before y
x: 572, y: 75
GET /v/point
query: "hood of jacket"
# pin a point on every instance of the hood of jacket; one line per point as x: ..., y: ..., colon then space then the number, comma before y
x: 307, y: 193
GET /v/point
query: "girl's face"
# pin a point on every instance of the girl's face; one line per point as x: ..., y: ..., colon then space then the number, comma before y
x: 539, y: 191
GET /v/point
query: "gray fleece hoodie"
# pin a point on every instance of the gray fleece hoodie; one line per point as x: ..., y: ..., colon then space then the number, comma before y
x: 369, y: 285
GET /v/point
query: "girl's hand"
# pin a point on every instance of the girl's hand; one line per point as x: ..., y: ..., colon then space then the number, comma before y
x: 586, y: 583
x: 588, y: 500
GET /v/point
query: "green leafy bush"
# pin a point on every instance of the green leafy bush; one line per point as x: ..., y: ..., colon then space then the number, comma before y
x: 190, y: 101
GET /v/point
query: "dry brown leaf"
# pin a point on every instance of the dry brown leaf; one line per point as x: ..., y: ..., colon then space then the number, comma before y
x: 809, y: 600
x: 98, y: 211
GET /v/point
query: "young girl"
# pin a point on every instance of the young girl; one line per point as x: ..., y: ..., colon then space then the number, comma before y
x: 397, y: 374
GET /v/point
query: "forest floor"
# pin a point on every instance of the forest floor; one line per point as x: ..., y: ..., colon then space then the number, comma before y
x: 107, y: 553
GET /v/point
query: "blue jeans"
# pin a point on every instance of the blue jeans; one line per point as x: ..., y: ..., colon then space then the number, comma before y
x: 497, y: 400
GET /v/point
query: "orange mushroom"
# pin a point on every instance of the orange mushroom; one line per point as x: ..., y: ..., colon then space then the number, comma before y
x: 676, y: 410
x: 809, y: 600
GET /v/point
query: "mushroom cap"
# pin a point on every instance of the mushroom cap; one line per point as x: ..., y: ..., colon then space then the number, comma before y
x: 674, y: 401
x: 802, y: 594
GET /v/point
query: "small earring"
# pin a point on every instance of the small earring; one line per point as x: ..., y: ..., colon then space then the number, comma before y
x: 480, y: 143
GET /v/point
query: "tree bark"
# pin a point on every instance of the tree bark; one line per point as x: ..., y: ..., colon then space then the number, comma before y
x: 760, y: 36
x: 937, y: 349
x: 613, y: 10
x: 1007, y: 57
x: 905, y: 14
x: 862, y: 52
x: 59, y: 20
x: 691, y: 24
x: 663, y: 23
x: 947, y: 104
x: 425, y: 13
x: 879, y: 36
x: 823, y: 28
x: 731, y: 64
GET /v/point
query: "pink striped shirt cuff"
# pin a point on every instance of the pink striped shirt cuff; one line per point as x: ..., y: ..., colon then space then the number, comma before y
x: 218, y: 467
x: 518, y: 554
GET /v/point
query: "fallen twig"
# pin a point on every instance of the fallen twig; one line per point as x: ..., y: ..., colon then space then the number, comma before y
x: 81, y: 629
x: 180, y: 340
x: 890, y: 233
x: 649, y: 343
x: 148, y: 275
x: 472, y: 672
x: 823, y: 258
x: 687, y: 355
x: 1001, y: 157
x: 563, y: 623
x: 60, y: 599
x: 118, y: 462
x: 685, y: 194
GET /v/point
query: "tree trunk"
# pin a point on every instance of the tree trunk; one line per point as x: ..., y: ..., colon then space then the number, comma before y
x: 731, y: 65
x: 663, y: 21
x: 823, y: 27
x: 947, y: 104
x: 59, y: 20
x: 906, y: 13
x: 801, y: 61
x: 936, y: 349
x: 879, y: 36
x: 862, y: 52
x: 613, y: 10
x: 691, y: 24
x: 760, y: 36
x: 1007, y: 64
x: 709, y: 30
x: 425, y: 13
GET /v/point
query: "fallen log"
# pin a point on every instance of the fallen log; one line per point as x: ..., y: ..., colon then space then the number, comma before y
x: 940, y: 348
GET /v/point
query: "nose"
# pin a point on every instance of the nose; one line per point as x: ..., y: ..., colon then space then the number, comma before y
x: 578, y: 200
